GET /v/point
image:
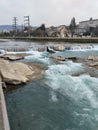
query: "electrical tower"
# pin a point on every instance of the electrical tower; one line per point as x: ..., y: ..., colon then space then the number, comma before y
x: 27, y: 24
x: 15, y: 25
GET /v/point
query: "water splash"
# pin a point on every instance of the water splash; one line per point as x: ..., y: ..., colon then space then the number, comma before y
x: 53, y: 96
x: 39, y: 57
x: 68, y: 67
x: 83, y: 48
x: 82, y: 90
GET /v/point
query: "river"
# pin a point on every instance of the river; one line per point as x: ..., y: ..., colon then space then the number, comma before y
x: 60, y: 100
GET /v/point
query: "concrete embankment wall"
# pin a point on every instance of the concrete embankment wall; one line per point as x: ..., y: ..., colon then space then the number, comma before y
x: 4, y: 123
x: 56, y: 39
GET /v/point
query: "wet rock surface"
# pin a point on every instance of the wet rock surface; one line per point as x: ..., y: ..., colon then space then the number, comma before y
x: 62, y: 58
x: 59, y: 48
x: 59, y: 58
x: 18, y: 73
x: 12, y: 57
x: 93, y: 64
x: 91, y: 67
x: 93, y: 58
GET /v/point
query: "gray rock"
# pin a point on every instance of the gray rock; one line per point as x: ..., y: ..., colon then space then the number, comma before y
x: 41, y: 49
x: 14, y: 73
x: 93, y: 64
x: 12, y: 57
x: 93, y: 58
x: 62, y: 58
x: 59, y: 48
x: 59, y: 58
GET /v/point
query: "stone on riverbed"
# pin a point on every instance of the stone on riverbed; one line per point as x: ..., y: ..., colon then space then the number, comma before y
x: 59, y: 48
x: 93, y: 64
x: 62, y: 58
x: 41, y: 49
x: 14, y: 73
x: 12, y: 57
x: 93, y: 58
x: 59, y: 58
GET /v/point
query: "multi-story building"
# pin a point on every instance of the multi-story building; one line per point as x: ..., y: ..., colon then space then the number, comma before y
x: 86, y: 25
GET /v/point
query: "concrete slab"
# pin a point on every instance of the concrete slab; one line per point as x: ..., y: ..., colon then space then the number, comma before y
x: 4, y: 124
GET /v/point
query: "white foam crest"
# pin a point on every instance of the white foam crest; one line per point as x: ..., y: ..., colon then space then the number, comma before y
x: 96, y: 117
x: 36, y: 53
x: 11, y: 52
x: 2, y: 52
x: 38, y: 57
x: 95, y: 47
x: 81, y: 114
x: 33, y: 58
x: 53, y: 96
x: 68, y: 68
x: 74, y: 87
x: 83, y: 89
x: 87, y: 89
x: 83, y: 47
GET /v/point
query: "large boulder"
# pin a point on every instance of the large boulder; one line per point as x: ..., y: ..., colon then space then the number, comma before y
x: 14, y: 73
x: 59, y: 58
x: 93, y: 64
x: 93, y: 58
x: 41, y: 49
x: 12, y: 57
x: 59, y: 48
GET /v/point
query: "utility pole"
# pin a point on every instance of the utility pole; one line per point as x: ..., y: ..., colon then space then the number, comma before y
x: 27, y: 24
x: 15, y: 25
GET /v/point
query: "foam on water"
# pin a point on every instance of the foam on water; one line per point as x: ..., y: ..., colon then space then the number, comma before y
x: 53, y: 96
x: 81, y: 90
x: 25, y: 52
x: 65, y: 92
x: 83, y: 48
x: 40, y: 57
x: 34, y: 56
x: 68, y: 67
x: 74, y: 87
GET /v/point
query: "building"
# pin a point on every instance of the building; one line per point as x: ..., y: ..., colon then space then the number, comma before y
x: 87, y: 25
x: 59, y: 31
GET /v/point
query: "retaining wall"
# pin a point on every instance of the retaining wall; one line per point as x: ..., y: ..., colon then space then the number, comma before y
x: 4, y: 123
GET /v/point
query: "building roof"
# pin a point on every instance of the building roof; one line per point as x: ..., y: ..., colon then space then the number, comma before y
x: 89, y: 20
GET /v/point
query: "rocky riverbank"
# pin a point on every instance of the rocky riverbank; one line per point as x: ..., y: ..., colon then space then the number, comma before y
x: 16, y: 73
x: 90, y: 64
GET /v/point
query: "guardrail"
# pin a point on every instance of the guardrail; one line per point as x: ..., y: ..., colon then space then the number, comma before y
x: 4, y: 123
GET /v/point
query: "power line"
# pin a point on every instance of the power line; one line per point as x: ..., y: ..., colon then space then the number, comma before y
x: 15, y: 25
x: 27, y: 24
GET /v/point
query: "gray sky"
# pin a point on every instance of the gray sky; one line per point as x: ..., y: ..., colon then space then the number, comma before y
x: 50, y: 12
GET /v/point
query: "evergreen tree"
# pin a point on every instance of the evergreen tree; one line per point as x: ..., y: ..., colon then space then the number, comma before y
x: 72, y: 26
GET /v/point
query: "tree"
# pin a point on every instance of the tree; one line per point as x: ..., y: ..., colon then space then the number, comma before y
x: 40, y: 31
x: 72, y: 26
x: 43, y: 27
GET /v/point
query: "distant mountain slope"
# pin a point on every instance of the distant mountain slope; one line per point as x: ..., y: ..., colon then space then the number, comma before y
x: 10, y: 27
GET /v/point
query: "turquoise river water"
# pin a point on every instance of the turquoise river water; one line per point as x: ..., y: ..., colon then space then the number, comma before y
x: 59, y: 100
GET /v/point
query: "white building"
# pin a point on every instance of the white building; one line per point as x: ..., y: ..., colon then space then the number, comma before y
x: 89, y: 23
x: 85, y: 25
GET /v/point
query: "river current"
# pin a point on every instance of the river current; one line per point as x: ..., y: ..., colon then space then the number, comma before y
x: 59, y: 100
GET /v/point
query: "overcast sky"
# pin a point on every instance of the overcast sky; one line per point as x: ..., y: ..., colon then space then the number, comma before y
x: 50, y: 12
